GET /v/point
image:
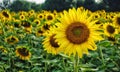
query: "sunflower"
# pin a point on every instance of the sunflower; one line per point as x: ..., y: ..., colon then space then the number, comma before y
x: 110, y: 29
x: 23, y: 52
x: 22, y: 17
x: 113, y: 40
x: 22, y: 13
x: 6, y: 14
x: 49, y: 17
x: 27, y: 25
x: 40, y: 16
x: 17, y: 23
x: 46, y: 26
x: 116, y: 21
x: 55, y: 13
x: 112, y: 14
x: 77, y: 32
x: 39, y: 32
x: 31, y: 12
x: 96, y: 15
x: 11, y: 40
x: 13, y: 14
x: 101, y: 12
x: 2, y: 49
x: 49, y: 44
x: 36, y: 22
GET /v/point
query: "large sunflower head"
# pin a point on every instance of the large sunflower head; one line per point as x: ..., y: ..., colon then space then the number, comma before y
x: 23, y: 52
x: 110, y: 29
x: 77, y: 32
x: 11, y: 40
x: 50, y: 44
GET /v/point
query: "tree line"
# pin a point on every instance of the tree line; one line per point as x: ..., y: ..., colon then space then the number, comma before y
x: 60, y: 5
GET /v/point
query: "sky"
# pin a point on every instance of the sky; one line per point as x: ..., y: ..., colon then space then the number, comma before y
x: 36, y: 1
x: 98, y: 1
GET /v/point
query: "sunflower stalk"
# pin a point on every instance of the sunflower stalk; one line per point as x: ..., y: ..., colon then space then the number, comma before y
x: 46, y: 64
x: 101, y: 53
x: 64, y: 65
x: 76, y: 63
x: 11, y: 62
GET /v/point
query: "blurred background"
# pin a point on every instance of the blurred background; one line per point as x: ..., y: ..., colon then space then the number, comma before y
x: 59, y: 5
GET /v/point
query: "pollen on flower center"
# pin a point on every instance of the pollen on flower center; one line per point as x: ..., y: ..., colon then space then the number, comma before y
x: 77, y: 33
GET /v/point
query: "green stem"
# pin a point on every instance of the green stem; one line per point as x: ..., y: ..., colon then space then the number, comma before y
x: 46, y: 63
x: 101, y: 53
x: 76, y: 63
x: 64, y: 65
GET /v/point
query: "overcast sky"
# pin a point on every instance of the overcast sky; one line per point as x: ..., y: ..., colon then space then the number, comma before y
x: 36, y: 1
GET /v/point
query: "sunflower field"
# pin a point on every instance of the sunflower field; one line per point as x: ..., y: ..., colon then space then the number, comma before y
x: 73, y: 40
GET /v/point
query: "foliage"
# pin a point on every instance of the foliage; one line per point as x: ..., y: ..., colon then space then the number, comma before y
x: 105, y: 58
x: 19, y: 5
x: 58, y: 5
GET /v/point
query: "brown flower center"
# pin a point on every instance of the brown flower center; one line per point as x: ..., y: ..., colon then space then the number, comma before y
x: 110, y: 29
x: 96, y: 16
x: 26, y: 24
x: 16, y: 25
x: 118, y: 20
x: 49, y: 17
x: 40, y: 31
x: 52, y: 41
x: 111, y: 38
x: 40, y: 16
x: 5, y: 14
x: 77, y: 33
x: 46, y: 27
x: 12, y: 39
x: 23, y: 51
x: 37, y: 22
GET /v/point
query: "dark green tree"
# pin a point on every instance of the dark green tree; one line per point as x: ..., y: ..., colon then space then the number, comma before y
x: 58, y: 5
x: 113, y: 5
x: 36, y: 7
x: 20, y: 5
